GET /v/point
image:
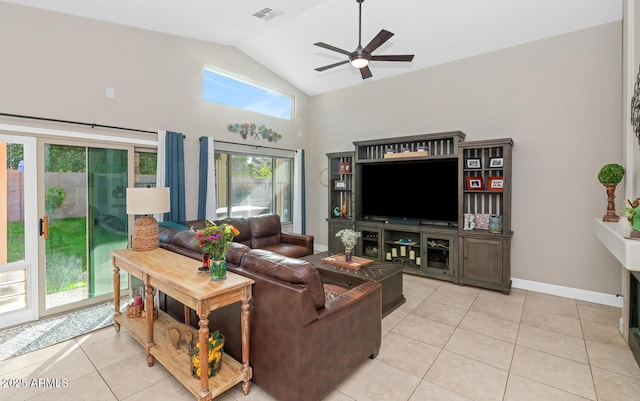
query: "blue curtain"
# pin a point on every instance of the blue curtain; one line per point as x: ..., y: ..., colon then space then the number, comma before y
x: 174, y: 175
x: 202, y: 181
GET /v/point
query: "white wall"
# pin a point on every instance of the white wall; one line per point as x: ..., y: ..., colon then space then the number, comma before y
x: 560, y: 101
x: 59, y: 66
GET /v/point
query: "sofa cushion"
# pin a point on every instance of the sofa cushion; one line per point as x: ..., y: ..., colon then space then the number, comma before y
x: 332, y: 291
x: 290, y: 270
x: 173, y: 224
x: 165, y: 234
x: 235, y: 252
x: 265, y: 230
x: 290, y: 250
x: 184, y: 238
x: 195, y: 224
x: 242, y: 224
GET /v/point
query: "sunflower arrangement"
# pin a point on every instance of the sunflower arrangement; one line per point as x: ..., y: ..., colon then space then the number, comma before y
x: 214, y: 345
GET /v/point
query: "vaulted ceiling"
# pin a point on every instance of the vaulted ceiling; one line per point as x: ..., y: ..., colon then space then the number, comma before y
x: 435, y: 31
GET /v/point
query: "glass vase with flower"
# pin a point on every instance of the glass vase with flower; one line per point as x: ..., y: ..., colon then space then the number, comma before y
x: 349, y: 239
x: 214, y: 240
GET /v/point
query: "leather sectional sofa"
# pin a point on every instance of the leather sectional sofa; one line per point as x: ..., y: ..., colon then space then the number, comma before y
x: 306, y: 336
x: 264, y: 232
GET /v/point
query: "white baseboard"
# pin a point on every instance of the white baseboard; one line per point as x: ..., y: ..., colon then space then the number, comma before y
x: 551, y: 289
x: 568, y: 292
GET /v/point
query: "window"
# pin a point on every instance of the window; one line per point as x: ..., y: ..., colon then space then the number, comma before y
x: 220, y: 88
x: 145, y: 164
x: 250, y: 185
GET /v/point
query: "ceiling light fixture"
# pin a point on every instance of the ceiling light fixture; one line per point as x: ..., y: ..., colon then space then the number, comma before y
x: 359, y: 61
x: 360, y: 57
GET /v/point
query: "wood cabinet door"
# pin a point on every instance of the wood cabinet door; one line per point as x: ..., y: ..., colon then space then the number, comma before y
x: 482, y: 260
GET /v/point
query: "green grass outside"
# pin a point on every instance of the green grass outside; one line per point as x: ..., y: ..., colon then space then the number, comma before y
x: 66, y: 267
x: 66, y: 252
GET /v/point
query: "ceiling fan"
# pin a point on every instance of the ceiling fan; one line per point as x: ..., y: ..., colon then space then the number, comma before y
x: 360, y: 57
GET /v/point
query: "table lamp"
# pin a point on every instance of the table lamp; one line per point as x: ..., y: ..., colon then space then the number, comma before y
x: 146, y: 202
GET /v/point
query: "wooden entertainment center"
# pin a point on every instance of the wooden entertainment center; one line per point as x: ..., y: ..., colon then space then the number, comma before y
x: 462, y: 249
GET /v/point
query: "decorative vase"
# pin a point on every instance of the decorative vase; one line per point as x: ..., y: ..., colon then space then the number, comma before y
x: 214, y: 358
x: 344, y: 207
x: 611, y: 206
x: 495, y: 224
x: 218, y: 270
x: 348, y: 255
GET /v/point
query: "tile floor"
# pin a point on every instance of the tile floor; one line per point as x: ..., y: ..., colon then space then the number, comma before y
x: 447, y: 343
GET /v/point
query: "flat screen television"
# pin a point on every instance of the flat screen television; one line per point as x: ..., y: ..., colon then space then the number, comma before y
x: 416, y: 192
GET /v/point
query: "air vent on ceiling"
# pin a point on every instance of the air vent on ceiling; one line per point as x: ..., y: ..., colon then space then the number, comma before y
x: 267, y: 13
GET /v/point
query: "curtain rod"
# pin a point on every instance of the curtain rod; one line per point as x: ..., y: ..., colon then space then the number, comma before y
x: 255, y: 146
x: 92, y: 125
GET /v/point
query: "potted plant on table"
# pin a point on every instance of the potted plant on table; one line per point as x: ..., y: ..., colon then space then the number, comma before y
x: 214, y: 241
x: 349, y: 239
x: 610, y: 176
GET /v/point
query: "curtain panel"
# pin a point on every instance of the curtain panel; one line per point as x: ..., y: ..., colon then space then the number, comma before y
x: 170, y: 173
x: 207, y: 198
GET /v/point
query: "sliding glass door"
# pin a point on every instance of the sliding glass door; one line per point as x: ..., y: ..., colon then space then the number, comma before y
x: 85, y: 218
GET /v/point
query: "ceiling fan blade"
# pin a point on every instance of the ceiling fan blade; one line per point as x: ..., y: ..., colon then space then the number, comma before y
x: 378, y: 41
x: 329, y: 47
x: 398, y: 57
x: 326, y: 67
x: 365, y: 72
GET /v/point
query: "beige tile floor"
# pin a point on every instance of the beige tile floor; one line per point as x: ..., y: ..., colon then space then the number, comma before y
x: 447, y: 343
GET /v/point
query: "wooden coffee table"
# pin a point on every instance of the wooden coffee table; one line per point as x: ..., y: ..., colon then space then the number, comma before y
x: 389, y: 275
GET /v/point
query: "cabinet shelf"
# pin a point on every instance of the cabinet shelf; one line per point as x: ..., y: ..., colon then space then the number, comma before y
x: 474, y: 257
x: 412, y: 244
x: 481, y: 170
x: 177, y: 361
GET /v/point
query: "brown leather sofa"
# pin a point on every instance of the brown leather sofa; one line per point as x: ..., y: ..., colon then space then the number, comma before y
x: 306, y: 336
x: 263, y: 232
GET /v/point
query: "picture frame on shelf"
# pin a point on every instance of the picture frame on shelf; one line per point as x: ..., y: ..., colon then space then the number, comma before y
x: 496, y: 162
x: 495, y: 183
x: 345, y: 167
x: 475, y: 183
x: 339, y: 184
x: 474, y: 163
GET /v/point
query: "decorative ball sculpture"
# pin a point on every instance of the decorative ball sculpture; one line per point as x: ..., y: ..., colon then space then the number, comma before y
x: 610, y: 176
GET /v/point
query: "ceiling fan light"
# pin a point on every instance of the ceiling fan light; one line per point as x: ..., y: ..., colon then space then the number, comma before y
x: 359, y: 62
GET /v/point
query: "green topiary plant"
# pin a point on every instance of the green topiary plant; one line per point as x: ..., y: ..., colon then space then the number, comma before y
x: 611, y: 174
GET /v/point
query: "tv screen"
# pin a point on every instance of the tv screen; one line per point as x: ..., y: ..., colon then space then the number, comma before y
x: 425, y: 190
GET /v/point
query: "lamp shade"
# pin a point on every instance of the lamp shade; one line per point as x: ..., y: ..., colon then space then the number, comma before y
x: 147, y: 200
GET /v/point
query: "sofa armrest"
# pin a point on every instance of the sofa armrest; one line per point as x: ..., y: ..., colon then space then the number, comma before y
x: 347, y: 332
x: 297, y: 239
x: 346, y: 299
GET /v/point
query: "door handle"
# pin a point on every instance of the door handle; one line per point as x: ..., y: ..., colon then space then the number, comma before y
x: 44, y: 227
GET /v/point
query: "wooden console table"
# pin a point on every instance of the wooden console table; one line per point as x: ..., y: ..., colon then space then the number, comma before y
x: 176, y: 276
